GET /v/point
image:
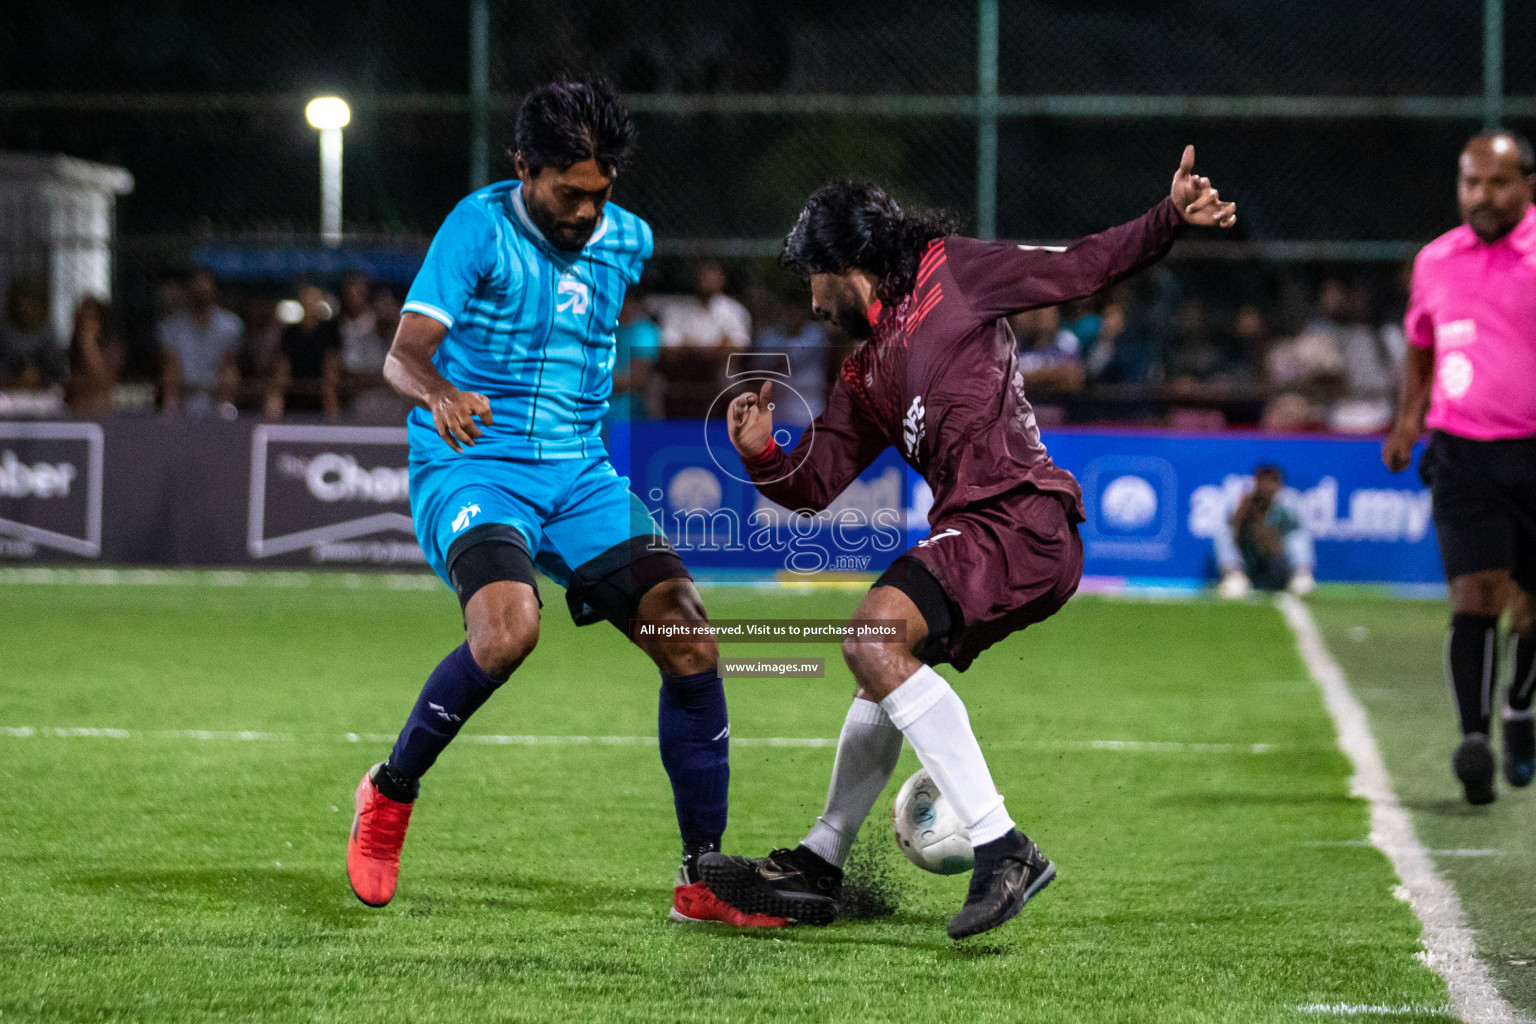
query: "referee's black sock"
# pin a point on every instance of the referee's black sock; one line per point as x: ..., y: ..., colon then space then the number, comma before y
x: 1471, y: 654
x: 1522, y: 683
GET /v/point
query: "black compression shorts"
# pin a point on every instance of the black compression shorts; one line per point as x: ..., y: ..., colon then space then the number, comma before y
x: 1484, y: 504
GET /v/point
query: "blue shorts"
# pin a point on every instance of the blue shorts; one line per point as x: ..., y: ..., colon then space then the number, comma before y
x: 570, y: 512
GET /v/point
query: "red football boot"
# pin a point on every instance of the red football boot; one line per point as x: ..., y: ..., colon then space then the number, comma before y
x: 695, y: 903
x: 373, y: 848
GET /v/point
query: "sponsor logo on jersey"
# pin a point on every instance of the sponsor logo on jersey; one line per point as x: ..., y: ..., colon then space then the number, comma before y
x: 938, y: 537
x: 1456, y: 333
x: 913, y: 427
x: 1455, y: 374
x: 574, y: 296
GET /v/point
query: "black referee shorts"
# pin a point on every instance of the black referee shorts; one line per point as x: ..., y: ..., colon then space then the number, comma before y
x: 1484, y: 504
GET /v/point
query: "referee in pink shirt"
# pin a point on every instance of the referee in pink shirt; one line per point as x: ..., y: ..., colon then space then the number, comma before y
x: 1472, y: 365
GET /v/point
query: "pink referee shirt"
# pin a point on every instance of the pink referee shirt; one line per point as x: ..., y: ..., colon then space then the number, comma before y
x: 1476, y: 305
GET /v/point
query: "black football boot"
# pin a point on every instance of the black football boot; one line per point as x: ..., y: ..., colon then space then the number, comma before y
x: 1008, y: 872
x: 796, y: 884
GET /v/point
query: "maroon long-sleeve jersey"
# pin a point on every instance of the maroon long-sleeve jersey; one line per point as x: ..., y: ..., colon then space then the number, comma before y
x: 939, y: 378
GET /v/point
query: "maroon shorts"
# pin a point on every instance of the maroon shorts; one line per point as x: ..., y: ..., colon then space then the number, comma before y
x: 1001, y: 565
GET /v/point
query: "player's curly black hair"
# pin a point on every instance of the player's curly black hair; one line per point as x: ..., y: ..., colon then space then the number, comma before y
x: 855, y: 224
x: 573, y: 119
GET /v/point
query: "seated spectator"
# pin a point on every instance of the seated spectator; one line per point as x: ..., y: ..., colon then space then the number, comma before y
x: 95, y: 359
x: 804, y: 341
x: 1266, y: 545
x: 30, y: 357
x: 307, y: 377
x: 199, y: 349
x: 636, y: 341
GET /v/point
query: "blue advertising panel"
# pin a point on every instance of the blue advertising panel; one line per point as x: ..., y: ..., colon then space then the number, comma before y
x: 1154, y: 501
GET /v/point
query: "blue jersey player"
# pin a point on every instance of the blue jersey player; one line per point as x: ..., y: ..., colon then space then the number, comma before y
x: 506, y: 346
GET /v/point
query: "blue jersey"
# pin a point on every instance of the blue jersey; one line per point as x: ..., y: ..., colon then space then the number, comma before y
x: 530, y: 326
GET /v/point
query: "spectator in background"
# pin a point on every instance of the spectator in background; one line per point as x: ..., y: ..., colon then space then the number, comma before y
x: 95, y: 359
x: 1368, y: 373
x: 258, y: 351
x: 307, y: 377
x: 1048, y: 352
x: 805, y: 342
x: 199, y: 348
x: 1266, y: 545
x: 362, y: 348
x: 636, y: 343
x: 1250, y: 335
x: 30, y: 358
x: 367, y: 395
x: 707, y: 319
x: 1306, y: 373
x: 698, y: 333
x: 1195, y: 357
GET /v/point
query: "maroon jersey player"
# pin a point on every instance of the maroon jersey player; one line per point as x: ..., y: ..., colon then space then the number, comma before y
x: 935, y: 375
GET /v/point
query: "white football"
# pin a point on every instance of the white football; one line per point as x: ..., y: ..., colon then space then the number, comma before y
x: 928, y: 831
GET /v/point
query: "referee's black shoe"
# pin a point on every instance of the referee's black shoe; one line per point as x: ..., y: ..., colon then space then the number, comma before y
x: 796, y: 884
x: 1009, y: 871
x: 1519, y: 748
x: 1475, y: 766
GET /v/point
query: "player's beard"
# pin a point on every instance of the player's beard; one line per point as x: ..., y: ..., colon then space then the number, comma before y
x: 567, y: 236
x: 1489, y: 223
x: 853, y: 321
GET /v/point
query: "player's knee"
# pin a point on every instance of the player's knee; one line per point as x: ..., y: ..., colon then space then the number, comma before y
x: 1480, y: 593
x: 1522, y: 613
x: 686, y: 659
x: 867, y: 660
x: 500, y: 647
x: 692, y: 650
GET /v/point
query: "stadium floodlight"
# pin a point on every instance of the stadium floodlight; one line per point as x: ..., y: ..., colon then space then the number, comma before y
x: 329, y: 114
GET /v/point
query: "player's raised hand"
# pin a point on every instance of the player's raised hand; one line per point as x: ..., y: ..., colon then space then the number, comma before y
x: 453, y: 414
x: 750, y: 419
x: 1198, y: 202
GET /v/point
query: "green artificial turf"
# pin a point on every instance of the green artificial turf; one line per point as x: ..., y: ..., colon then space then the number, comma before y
x: 1394, y: 655
x: 161, y: 876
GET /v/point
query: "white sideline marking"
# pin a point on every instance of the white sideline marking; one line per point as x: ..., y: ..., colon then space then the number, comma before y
x: 1359, y: 1009
x: 1116, y: 746
x: 1448, y: 945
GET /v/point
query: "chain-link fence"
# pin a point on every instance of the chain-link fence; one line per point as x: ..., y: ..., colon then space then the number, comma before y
x: 1335, y: 125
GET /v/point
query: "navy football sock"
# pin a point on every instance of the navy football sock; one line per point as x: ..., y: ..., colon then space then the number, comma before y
x: 1522, y: 684
x: 454, y: 691
x: 1471, y: 658
x: 694, y: 731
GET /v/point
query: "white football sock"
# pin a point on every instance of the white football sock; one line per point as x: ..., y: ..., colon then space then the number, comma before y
x: 867, y: 750
x: 933, y: 719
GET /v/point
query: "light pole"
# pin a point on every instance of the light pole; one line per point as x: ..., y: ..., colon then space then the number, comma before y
x: 330, y: 115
